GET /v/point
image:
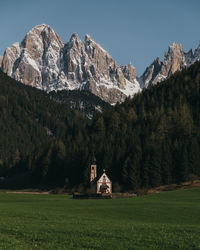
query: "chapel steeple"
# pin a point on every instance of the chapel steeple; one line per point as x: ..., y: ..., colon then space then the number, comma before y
x: 93, y: 170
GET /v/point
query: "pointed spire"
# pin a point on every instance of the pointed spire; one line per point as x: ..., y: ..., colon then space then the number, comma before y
x: 175, y: 46
x: 41, y: 27
x: 157, y: 61
x: 88, y: 37
x: 74, y: 35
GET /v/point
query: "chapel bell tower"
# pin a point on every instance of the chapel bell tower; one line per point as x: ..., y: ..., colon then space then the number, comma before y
x: 93, y: 170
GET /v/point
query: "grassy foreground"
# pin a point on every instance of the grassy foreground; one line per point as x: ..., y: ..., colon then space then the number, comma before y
x: 168, y: 220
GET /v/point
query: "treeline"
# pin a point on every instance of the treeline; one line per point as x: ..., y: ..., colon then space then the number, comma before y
x: 147, y: 141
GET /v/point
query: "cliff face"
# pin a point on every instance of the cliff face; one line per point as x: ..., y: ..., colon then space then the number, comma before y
x: 1, y: 58
x: 35, y: 61
x: 174, y: 60
x: 43, y: 61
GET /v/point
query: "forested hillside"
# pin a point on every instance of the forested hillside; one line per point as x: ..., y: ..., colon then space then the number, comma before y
x: 154, y: 138
x: 29, y: 123
x: 147, y: 141
x: 81, y: 100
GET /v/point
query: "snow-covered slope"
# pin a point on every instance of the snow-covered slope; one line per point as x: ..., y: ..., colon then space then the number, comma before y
x: 43, y: 61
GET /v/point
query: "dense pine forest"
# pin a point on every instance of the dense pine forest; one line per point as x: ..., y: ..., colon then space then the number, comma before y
x: 147, y: 141
x: 36, y: 133
x: 81, y: 100
x: 154, y: 138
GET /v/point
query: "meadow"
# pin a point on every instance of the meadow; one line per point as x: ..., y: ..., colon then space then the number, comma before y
x: 168, y: 220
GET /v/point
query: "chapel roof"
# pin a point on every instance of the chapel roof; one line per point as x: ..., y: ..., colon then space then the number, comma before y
x: 99, y: 176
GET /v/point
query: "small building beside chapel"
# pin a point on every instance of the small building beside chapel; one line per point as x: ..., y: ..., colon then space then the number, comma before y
x: 101, y: 184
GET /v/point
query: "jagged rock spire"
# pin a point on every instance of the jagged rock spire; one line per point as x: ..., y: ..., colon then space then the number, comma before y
x: 174, y: 60
x: 42, y: 60
x: 1, y: 58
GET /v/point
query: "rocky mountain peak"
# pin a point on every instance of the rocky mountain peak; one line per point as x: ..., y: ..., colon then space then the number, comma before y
x: 87, y: 37
x: 174, y: 60
x: 42, y: 33
x: 175, y: 47
x: 91, y: 45
x: 197, y: 54
x: 157, y: 61
x: 40, y: 28
x: 175, y: 51
x: 150, y: 74
x: 42, y: 60
x: 10, y: 57
x: 129, y: 72
x: 1, y: 58
x: 35, y: 60
x: 189, y: 57
x: 103, y: 67
x: 45, y: 31
x: 74, y: 36
x: 75, y: 42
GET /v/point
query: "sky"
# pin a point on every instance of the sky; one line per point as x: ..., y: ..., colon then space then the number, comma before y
x: 135, y: 31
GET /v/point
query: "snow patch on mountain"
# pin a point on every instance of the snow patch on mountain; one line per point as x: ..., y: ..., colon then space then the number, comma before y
x: 174, y: 60
x: 43, y: 61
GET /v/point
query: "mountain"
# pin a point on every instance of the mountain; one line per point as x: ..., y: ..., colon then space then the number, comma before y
x: 43, y: 61
x: 1, y: 58
x: 174, y: 60
x: 147, y: 141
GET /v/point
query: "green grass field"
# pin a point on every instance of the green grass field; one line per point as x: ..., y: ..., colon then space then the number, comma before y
x: 169, y: 220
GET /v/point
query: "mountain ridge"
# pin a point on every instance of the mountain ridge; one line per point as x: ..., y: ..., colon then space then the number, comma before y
x: 1, y: 59
x: 174, y: 60
x: 43, y: 61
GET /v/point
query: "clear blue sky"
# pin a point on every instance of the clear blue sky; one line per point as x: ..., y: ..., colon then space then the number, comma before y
x: 134, y: 31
